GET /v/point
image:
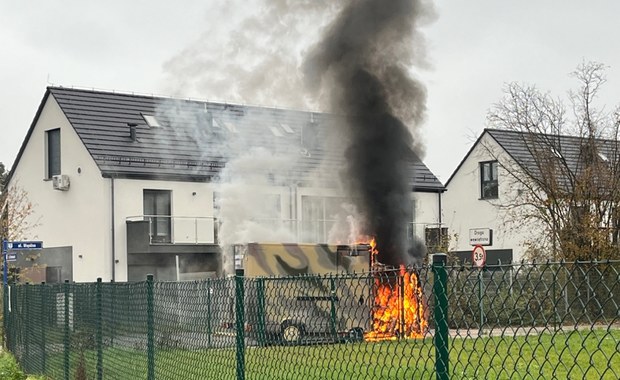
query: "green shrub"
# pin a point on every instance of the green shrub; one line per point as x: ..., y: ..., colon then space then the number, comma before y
x: 9, y: 370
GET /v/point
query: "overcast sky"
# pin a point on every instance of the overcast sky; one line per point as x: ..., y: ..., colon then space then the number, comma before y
x: 201, y: 49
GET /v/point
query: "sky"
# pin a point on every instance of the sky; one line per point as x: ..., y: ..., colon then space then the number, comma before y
x: 250, y: 51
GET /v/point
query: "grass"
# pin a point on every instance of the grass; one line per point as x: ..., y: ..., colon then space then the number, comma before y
x: 572, y: 355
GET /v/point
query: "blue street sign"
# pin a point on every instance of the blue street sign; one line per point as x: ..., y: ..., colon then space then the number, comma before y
x: 17, y: 245
x: 13, y: 246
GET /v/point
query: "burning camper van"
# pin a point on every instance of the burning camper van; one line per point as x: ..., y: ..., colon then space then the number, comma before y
x: 319, y: 292
x: 307, y: 292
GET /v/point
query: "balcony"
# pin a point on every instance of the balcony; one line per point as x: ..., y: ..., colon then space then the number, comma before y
x: 154, y: 230
x: 163, y: 229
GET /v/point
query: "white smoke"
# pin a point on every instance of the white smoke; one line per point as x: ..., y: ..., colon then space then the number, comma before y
x: 246, y: 206
x: 252, y: 54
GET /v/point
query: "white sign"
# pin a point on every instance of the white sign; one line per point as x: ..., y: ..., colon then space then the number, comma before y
x: 480, y: 236
x: 479, y: 256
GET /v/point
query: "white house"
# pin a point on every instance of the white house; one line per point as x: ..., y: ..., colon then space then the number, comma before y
x: 124, y: 185
x: 471, y: 204
x: 489, y: 196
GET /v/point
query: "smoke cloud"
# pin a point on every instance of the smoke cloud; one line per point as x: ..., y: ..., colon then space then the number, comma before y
x: 360, y: 68
x: 252, y: 55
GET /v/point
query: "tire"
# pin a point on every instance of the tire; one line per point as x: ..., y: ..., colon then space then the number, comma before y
x: 356, y: 334
x: 291, y: 333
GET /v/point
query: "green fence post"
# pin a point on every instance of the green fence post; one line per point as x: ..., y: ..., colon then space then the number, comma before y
x: 209, y: 291
x: 43, y: 323
x: 440, y: 339
x: 99, y: 309
x: 67, y: 337
x: 150, y: 335
x: 260, y: 295
x: 5, y: 314
x: 332, y: 307
x: 9, y: 333
x: 26, y: 318
x: 239, y: 324
x: 111, y: 313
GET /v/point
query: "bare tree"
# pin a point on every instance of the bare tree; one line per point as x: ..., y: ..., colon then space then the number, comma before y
x: 566, y: 169
x: 16, y: 216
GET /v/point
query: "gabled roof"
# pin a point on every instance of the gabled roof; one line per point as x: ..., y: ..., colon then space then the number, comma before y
x: 523, y: 147
x: 196, y: 138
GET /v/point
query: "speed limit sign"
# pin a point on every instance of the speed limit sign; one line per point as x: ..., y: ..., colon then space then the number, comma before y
x: 479, y: 256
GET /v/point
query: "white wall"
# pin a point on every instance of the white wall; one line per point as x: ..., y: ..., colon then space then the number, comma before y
x: 78, y: 217
x: 427, y: 213
x: 464, y: 210
x: 128, y: 202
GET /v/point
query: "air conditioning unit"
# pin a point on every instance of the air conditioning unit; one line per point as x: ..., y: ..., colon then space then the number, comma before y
x: 61, y: 182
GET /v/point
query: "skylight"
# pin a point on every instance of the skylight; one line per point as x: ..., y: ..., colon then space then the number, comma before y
x: 286, y: 128
x: 230, y: 126
x: 151, y: 121
x: 276, y: 132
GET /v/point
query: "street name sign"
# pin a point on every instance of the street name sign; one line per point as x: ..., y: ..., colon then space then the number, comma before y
x: 19, y: 245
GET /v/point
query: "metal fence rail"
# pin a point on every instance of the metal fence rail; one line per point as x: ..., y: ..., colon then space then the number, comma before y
x: 518, y: 321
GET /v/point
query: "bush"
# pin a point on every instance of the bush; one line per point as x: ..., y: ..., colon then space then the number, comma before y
x: 9, y: 370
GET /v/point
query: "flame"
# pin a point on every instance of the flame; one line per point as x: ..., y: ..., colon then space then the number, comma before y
x: 398, y: 310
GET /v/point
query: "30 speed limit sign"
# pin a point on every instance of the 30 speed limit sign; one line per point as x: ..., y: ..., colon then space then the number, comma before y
x: 479, y: 256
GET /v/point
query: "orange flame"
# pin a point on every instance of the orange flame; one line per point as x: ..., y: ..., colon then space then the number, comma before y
x: 399, y: 308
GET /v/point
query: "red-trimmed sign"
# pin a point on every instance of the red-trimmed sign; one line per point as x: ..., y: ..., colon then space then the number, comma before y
x: 479, y: 256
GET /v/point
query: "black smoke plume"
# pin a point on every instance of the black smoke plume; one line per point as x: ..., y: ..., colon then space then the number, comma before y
x: 362, y: 66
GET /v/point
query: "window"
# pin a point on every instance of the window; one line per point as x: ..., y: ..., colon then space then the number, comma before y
x: 488, y: 180
x: 151, y: 121
x: 437, y: 239
x: 318, y: 216
x: 52, y: 147
x: 53, y: 275
x: 157, y: 212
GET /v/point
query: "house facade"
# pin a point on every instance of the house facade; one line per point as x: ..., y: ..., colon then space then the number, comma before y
x: 473, y: 199
x: 520, y: 193
x: 124, y: 185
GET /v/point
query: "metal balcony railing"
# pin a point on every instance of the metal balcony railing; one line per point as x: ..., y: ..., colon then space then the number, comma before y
x: 166, y: 229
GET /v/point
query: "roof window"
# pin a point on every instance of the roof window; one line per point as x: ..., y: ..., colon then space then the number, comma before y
x: 276, y: 132
x: 286, y: 128
x: 151, y: 121
x: 230, y: 126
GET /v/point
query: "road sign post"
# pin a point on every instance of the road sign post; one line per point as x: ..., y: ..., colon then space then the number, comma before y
x: 479, y: 258
x: 5, y: 272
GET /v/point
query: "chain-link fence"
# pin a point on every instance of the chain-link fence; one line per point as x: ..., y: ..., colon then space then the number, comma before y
x: 525, y: 321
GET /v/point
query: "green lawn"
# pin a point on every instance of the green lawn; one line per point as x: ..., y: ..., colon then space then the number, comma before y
x: 577, y: 355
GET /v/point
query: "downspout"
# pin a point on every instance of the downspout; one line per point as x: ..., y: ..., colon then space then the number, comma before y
x: 440, y: 211
x: 295, y: 223
x: 440, y: 220
x: 113, y: 231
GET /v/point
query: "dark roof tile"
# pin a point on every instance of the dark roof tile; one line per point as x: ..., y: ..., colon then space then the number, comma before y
x: 186, y: 145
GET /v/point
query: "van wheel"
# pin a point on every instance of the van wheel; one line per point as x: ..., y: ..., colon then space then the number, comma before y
x: 291, y: 332
x: 356, y: 334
